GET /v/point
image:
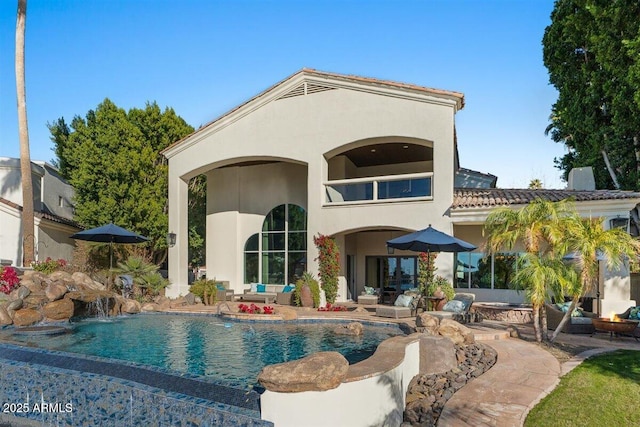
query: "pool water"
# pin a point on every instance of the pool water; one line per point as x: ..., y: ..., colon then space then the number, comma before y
x: 229, y: 352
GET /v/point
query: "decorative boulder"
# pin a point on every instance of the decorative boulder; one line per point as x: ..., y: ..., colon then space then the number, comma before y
x: 130, y: 306
x: 162, y: 302
x: 178, y: 302
x: 26, y: 317
x: 33, y: 287
x: 61, y: 276
x: 5, y: 319
x: 34, y: 277
x: 23, y: 292
x: 59, y: 310
x: 83, y: 281
x: 317, y: 372
x: 55, y: 291
x: 456, y: 332
x: 190, y: 298
x: 16, y: 304
x: 353, y: 328
x: 150, y: 306
x: 427, y: 323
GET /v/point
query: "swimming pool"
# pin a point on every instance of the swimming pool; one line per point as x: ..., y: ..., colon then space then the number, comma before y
x: 228, y: 352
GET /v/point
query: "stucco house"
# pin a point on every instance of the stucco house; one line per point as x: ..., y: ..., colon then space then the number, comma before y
x: 53, y: 209
x: 359, y: 159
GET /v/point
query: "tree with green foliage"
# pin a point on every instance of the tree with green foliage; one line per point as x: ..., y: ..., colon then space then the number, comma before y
x: 539, y: 227
x: 588, y: 241
x: 112, y: 158
x: 592, y: 53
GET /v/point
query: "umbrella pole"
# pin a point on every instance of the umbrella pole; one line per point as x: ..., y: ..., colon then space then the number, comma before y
x: 110, y: 264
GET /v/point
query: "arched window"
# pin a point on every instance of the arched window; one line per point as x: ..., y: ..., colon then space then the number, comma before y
x: 278, y: 254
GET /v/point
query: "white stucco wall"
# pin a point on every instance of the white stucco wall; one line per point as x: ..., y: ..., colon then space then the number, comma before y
x: 302, y: 130
x: 374, y: 401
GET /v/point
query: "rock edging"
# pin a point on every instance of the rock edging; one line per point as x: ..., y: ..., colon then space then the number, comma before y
x: 428, y: 393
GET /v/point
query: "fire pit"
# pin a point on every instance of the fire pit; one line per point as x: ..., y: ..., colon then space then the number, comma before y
x: 615, y: 325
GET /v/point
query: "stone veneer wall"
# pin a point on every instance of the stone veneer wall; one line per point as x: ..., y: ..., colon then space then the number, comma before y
x: 83, y: 399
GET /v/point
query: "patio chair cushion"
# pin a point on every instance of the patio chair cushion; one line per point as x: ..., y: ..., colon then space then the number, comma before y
x: 454, y: 306
x: 288, y: 288
x: 368, y: 290
x: 403, y: 301
x: 261, y: 288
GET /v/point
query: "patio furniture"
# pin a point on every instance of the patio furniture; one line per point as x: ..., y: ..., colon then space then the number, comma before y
x: 402, y: 307
x: 368, y: 299
x: 223, y: 292
x: 266, y: 298
x: 576, y: 324
x: 457, y: 309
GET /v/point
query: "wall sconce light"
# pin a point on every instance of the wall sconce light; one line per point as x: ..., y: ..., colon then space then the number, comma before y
x: 171, y: 239
x: 390, y: 250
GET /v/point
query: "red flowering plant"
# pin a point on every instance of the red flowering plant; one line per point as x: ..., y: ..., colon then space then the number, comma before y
x: 254, y: 309
x: 330, y: 307
x: 8, y: 279
x: 329, y: 265
x: 49, y: 265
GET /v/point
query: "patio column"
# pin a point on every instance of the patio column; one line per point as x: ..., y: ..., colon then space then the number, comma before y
x: 178, y: 224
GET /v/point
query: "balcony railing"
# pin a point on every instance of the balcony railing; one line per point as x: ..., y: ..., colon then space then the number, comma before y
x: 379, y: 189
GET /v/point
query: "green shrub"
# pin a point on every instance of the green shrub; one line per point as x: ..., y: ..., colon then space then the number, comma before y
x: 444, y: 284
x: 154, y: 283
x: 49, y: 265
x: 307, y: 279
x: 206, y: 290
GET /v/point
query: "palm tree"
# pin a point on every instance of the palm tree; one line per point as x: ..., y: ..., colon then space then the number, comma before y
x: 539, y: 227
x: 589, y: 241
x: 28, y: 226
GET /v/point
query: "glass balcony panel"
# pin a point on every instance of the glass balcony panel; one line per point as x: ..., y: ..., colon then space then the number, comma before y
x: 405, y: 188
x: 349, y: 192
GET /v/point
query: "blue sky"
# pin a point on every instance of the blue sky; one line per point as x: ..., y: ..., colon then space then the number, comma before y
x: 204, y: 57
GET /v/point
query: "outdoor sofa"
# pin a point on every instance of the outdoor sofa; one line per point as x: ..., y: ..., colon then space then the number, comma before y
x: 282, y: 294
x: 575, y: 325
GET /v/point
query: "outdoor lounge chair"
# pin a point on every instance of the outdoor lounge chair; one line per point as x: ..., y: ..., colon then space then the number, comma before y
x: 575, y: 325
x: 456, y: 309
x: 401, y: 308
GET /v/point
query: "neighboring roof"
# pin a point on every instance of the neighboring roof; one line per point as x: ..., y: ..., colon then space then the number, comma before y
x: 467, y: 178
x: 490, y: 197
x: 457, y: 96
x: 43, y: 215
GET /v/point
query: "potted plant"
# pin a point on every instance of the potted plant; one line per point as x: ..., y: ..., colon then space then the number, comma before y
x: 307, y: 292
x: 440, y: 287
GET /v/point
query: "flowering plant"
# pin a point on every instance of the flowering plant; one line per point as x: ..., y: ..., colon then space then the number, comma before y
x: 49, y: 265
x: 330, y: 307
x: 8, y: 279
x: 254, y: 309
x: 329, y: 265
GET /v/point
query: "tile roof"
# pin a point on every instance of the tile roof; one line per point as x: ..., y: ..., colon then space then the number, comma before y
x: 43, y: 215
x: 490, y: 197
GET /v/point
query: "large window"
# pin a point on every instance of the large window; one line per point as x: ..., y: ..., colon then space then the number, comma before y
x: 392, y: 273
x: 278, y: 254
x: 475, y: 270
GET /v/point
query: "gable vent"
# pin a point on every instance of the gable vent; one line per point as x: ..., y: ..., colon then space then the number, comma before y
x: 305, y: 89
